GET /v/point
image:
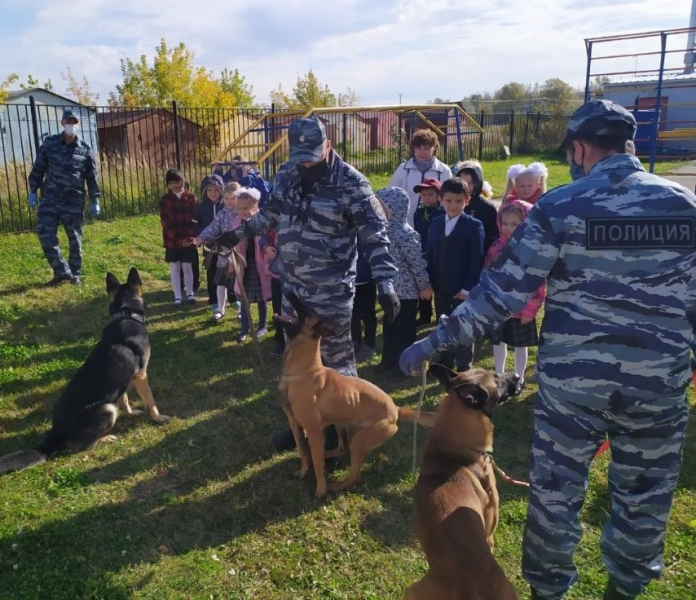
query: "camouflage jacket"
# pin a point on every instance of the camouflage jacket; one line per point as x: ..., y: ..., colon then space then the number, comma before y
x: 60, y: 171
x: 318, y: 233
x: 618, y: 251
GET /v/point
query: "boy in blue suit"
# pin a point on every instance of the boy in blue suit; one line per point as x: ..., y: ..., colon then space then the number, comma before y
x: 455, y: 258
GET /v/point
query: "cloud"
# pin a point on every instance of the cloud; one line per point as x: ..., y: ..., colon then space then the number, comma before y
x: 421, y: 48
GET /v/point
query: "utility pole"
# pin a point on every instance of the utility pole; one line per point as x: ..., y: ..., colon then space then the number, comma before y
x: 400, y: 94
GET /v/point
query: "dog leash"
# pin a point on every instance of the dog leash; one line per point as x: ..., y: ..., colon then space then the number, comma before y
x: 488, y: 457
x: 424, y: 372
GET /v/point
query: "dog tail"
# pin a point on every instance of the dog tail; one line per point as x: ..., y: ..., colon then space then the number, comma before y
x: 426, y: 419
x: 18, y: 461
x: 25, y: 459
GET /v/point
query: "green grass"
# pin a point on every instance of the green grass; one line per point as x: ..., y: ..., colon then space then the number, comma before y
x: 201, y: 507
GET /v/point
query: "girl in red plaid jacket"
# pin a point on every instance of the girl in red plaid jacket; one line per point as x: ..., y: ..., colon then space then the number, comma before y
x: 176, y: 209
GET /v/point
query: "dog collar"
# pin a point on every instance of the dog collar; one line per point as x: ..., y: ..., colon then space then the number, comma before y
x: 127, y: 314
x: 487, y: 456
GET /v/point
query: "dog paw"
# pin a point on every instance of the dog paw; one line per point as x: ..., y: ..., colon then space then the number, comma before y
x: 160, y: 418
x: 136, y: 413
x: 107, y: 439
x: 321, y: 492
x: 302, y: 473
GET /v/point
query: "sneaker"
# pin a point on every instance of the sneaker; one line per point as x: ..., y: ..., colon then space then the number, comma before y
x: 278, y: 349
x: 242, y: 337
x: 191, y: 299
x: 177, y: 302
x: 214, y: 308
x: 261, y: 331
x: 58, y: 280
x: 75, y: 280
x: 216, y: 316
x: 520, y: 386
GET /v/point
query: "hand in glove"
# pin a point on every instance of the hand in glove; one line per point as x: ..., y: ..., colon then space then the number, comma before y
x: 390, y: 305
x: 412, y: 359
x: 33, y: 200
x: 95, y: 209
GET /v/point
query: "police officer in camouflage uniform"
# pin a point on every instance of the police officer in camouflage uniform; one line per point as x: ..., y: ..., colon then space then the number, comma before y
x: 63, y: 164
x: 617, y: 249
x: 322, y: 208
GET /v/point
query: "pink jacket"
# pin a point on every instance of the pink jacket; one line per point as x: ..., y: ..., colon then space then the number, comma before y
x: 261, y: 264
x: 537, y: 300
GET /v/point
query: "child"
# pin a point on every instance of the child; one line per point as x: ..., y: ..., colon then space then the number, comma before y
x: 429, y: 207
x: 224, y: 221
x: 479, y: 205
x: 455, y: 257
x: 255, y: 275
x: 526, y: 183
x: 176, y: 210
x: 240, y: 172
x: 520, y: 330
x: 364, y: 311
x: 412, y: 282
x: 204, y: 215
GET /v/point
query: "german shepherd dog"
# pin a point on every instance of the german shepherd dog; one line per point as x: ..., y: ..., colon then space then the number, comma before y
x: 313, y: 397
x: 88, y: 407
x: 456, y: 498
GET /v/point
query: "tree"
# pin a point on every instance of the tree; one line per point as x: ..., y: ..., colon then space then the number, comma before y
x: 5, y: 86
x: 307, y: 93
x: 173, y: 76
x: 561, y: 95
x: 232, y: 82
x: 80, y: 92
x: 349, y: 98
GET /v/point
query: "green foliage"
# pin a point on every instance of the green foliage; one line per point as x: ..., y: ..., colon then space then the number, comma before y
x: 79, y: 91
x: 173, y: 76
x: 308, y: 92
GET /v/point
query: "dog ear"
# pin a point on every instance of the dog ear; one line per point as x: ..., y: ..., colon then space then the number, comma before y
x: 472, y: 394
x: 112, y: 283
x: 299, y: 307
x: 134, y: 279
x: 442, y: 374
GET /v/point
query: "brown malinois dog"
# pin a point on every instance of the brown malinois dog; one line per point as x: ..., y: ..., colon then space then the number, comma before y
x: 314, y: 396
x: 456, y: 498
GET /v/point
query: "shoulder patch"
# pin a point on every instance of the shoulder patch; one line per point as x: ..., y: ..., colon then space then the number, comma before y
x: 625, y: 233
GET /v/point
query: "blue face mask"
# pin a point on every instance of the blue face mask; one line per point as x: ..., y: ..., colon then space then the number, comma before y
x: 576, y: 171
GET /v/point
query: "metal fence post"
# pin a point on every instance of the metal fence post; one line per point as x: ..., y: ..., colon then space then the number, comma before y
x: 345, y: 136
x: 34, y: 124
x: 512, y: 129
x: 480, y: 148
x: 177, y: 141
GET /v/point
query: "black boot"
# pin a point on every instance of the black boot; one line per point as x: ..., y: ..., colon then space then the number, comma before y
x: 611, y: 593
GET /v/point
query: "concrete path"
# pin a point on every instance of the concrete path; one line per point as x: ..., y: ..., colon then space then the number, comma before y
x: 684, y: 175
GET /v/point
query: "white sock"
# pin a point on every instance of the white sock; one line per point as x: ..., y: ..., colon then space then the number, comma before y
x: 188, y: 278
x: 499, y: 356
x: 222, y: 298
x: 520, y: 361
x: 175, y: 275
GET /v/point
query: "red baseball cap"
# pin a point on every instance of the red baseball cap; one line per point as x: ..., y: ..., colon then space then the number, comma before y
x: 428, y: 182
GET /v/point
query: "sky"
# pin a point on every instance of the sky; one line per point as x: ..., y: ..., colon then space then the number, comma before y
x: 387, y: 51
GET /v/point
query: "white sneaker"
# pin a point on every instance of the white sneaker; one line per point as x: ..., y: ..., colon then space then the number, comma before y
x: 261, y: 332
x: 217, y: 315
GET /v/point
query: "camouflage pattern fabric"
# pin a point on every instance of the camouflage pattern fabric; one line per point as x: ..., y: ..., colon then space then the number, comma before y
x: 51, y: 215
x: 318, y: 236
x: 618, y: 251
x: 61, y: 171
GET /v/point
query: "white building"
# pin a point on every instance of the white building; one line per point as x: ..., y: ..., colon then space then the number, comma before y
x: 16, y: 134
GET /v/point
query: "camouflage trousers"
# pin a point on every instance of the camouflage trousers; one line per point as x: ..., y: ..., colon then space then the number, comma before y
x: 336, y: 349
x: 50, y: 216
x: 646, y: 438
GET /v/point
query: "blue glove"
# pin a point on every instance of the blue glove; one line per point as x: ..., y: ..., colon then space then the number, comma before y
x: 413, y: 358
x: 33, y: 200
x: 95, y: 209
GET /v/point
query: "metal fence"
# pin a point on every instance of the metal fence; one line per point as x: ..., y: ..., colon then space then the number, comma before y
x: 136, y: 146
